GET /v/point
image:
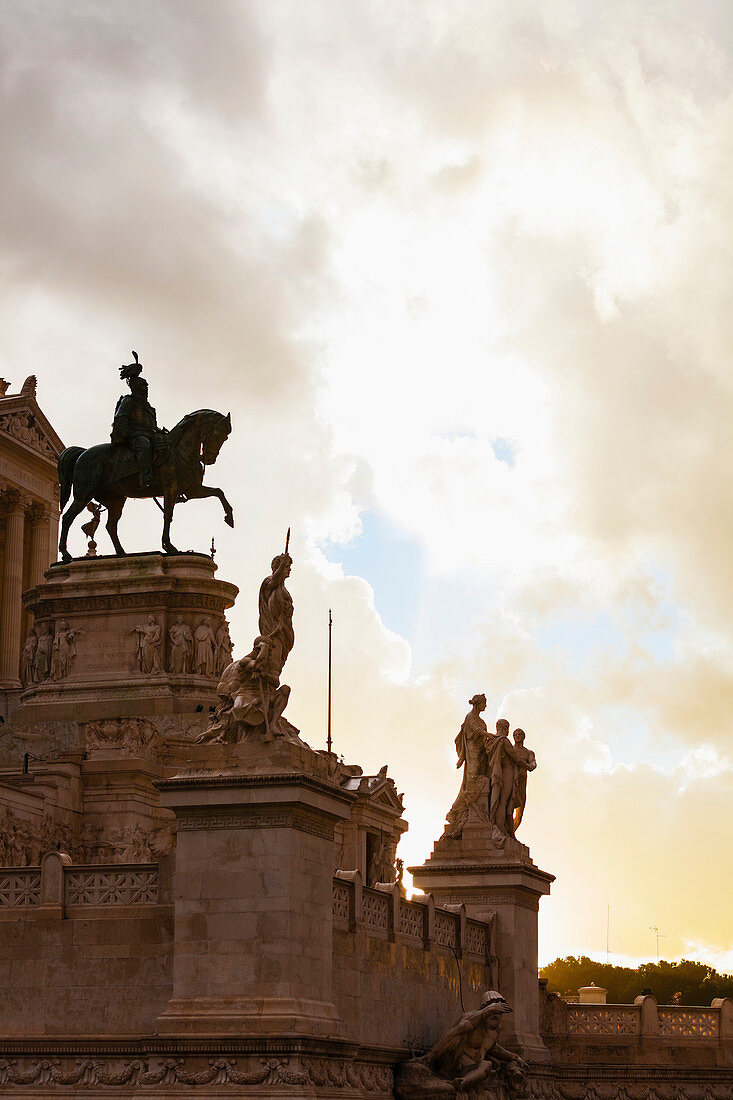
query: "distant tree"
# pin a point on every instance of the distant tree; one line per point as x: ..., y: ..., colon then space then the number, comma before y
x: 685, y: 982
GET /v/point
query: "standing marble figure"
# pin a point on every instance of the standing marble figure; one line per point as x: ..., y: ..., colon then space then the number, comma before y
x: 494, y: 785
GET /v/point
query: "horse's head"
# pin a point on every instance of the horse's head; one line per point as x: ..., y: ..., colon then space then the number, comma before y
x: 215, y: 438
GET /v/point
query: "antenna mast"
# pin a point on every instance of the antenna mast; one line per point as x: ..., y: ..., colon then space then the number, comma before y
x: 659, y: 935
x: 330, y: 625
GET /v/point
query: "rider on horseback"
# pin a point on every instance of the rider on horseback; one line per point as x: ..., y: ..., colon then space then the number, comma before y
x: 135, y: 422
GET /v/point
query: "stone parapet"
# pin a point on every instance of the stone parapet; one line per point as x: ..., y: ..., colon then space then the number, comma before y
x: 385, y: 914
x: 64, y: 887
x: 644, y: 1032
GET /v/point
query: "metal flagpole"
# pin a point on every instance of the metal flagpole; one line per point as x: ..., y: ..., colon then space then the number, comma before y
x: 330, y: 625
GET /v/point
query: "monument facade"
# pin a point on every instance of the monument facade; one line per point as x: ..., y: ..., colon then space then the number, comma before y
x: 29, y: 518
x: 192, y: 897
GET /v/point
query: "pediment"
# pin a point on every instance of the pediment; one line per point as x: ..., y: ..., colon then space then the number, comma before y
x: 386, y: 795
x: 22, y: 420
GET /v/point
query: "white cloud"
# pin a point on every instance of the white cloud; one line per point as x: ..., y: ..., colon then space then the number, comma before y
x: 385, y: 237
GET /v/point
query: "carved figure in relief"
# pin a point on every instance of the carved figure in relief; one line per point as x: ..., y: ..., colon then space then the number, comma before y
x: 382, y: 864
x: 223, y: 648
x: 64, y: 650
x: 205, y: 640
x: 28, y: 673
x: 467, y: 1058
x: 525, y: 761
x: 149, y: 638
x: 43, y: 652
x: 253, y: 699
x: 181, y: 640
x: 23, y: 426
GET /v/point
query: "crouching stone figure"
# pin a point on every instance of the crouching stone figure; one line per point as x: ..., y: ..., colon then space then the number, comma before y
x: 467, y: 1060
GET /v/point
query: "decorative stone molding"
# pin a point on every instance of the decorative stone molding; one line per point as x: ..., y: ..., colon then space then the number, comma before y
x: 129, y: 603
x: 118, y: 1072
x: 604, y: 1020
x: 111, y: 886
x: 20, y: 889
x: 255, y: 818
x: 650, y: 1085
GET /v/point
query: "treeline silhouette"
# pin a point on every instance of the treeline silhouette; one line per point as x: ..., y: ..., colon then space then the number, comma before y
x: 685, y: 982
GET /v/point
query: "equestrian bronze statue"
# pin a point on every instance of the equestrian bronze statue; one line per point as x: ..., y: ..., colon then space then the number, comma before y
x: 143, y: 460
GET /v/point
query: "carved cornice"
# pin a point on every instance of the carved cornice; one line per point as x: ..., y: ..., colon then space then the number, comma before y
x: 154, y: 600
x: 207, y: 781
x: 245, y: 817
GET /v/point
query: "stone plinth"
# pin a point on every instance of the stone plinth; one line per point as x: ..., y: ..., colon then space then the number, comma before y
x: 253, y: 897
x: 101, y: 665
x: 499, y: 881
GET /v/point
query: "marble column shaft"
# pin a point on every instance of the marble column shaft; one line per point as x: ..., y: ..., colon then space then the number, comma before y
x: 39, y: 552
x: 11, y: 608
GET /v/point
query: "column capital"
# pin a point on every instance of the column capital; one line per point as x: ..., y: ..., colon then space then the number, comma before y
x: 38, y: 513
x: 14, y: 500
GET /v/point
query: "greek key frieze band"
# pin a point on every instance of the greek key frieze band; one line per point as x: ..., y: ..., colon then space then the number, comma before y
x: 244, y: 817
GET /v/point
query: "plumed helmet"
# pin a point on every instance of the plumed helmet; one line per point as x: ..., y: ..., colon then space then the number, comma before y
x: 132, y: 370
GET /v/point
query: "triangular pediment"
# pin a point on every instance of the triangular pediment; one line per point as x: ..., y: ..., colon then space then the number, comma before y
x: 22, y: 420
x: 386, y: 795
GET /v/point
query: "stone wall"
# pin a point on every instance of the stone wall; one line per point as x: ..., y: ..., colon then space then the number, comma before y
x: 83, y: 950
x: 396, y: 965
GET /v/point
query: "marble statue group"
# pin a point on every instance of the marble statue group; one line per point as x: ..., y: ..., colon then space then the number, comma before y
x: 495, y: 768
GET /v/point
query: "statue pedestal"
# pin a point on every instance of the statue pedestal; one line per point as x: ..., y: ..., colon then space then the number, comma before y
x: 253, y: 908
x: 489, y: 880
x: 102, y: 672
x: 105, y: 716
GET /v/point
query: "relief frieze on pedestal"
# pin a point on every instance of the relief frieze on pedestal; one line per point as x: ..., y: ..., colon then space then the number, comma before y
x: 258, y: 1074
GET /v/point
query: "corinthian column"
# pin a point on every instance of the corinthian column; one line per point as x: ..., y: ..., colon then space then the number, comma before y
x: 11, y: 606
x: 40, y: 540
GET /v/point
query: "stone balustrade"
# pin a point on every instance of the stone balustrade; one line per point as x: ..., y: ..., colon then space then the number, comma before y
x: 59, y: 886
x: 576, y: 1031
x: 384, y: 913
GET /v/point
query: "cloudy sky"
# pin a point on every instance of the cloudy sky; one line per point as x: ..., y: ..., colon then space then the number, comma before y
x: 461, y: 272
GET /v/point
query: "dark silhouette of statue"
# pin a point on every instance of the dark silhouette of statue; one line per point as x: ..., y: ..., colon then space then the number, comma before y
x: 135, y: 422
x: 143, y: 460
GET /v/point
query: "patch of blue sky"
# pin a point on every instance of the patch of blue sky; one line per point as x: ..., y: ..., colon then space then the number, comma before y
x: 584, y: 637
x: 505, y: 450
x: 392, y: 563
x: 632, y: 740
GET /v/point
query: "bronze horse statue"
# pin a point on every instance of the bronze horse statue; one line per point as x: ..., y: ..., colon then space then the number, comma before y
x: 109, y: 473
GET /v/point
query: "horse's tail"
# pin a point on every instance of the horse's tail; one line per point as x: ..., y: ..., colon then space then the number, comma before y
x: 66, y: 464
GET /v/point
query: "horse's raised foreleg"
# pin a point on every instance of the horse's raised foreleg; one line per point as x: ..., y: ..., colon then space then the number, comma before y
x: 114, y: 506
x: 75, y: 508
x: 212, y: 491
x: 169, y: 501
